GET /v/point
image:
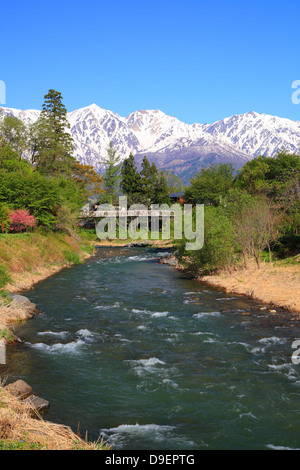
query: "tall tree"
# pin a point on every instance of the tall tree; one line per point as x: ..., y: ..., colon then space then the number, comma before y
x: 51, y: 142
x: 130, y: 178
x: 149, y: 181
x: 161, y: 190
x: 15, y: 134
x: 111, y: 176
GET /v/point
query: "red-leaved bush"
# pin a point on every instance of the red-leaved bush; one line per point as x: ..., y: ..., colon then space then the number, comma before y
x: 21, y: 220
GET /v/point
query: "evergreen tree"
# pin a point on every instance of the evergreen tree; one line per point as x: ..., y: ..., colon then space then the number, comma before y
x: 161, y: 191
x: 149, y: 181
x: 51, y: 142
x: 111, y: 176
x: 130, y: 178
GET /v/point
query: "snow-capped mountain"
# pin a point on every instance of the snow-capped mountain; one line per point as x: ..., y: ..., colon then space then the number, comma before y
x: 258, y: 134
x: 172, y: 144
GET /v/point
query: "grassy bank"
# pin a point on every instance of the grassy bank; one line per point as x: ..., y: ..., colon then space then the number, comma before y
x: 276, y: 283
x: 28, y: 258
x: 22, y: 428
x: 130, y: 241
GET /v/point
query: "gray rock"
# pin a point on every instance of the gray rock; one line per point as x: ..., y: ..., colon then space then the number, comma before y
x: 24, y: 302
x: 170, y: 260
x: 38, y: 403
x: 19, y: 389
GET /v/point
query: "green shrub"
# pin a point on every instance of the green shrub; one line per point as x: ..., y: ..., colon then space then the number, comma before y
x: 6, y: 334
x: 72, y: 258
x: 4, y: 276
x: 218, y: 250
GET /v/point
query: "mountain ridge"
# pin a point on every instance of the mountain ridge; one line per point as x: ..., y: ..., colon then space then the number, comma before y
x: 171, y: 143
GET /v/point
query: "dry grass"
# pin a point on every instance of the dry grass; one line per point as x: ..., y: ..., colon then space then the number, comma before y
x: 275, y: 284
x: 122, y: 243
x: 20, y: 423
x: 12, y: 313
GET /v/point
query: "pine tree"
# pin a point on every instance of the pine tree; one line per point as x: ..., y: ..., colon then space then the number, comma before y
x: 161, y: 191
x: 149, y: 180
x: 111, y: 176
x: 51, y: 142
x: 130, y: 178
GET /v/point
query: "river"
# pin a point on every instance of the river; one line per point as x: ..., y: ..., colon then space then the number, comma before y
x: 139, y: 353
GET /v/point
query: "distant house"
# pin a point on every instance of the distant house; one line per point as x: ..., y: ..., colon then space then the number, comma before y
x: 178, y: 197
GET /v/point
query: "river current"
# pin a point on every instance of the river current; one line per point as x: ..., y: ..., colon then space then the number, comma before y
x: 139, y: 353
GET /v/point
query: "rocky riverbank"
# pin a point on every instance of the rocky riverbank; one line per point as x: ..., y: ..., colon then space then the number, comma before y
x: 275, y: 284
x: 23, y: 428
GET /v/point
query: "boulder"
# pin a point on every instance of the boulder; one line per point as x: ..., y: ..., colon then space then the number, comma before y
x: 169, y: 259
x: 25, y: 303
x: 19, y: 389
x: 38, y: 403
x: 24, y: 392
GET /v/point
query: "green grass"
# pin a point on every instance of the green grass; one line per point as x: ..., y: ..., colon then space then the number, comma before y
x: 16, y: 236
x: 87, y: 234
x: 6, y: 335
x: 292, y: 260
x: 5, y: 278
x: 19, y: 445
x: 72, y: 258
x: 5, y: 296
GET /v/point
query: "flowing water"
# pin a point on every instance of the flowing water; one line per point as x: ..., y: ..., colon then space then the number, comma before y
x: 135, y: 351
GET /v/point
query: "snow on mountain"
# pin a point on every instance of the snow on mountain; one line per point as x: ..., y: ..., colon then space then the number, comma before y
x: 29, y: 116
x: 171, y: 143
x: 258, y: 134
x: 93, y: 128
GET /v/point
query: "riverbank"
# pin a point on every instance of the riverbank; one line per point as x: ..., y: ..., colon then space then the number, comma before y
x: 27, y: 259
x: 23, y: 428
x: 106, y: 338
x: 275, y: 284
x: 32, y: 257
x: 135, y: 243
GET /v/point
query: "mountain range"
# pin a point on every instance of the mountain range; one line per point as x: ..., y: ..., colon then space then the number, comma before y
x: 172, y: 144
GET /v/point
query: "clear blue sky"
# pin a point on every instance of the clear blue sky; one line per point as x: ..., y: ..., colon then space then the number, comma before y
x: 197, y: 60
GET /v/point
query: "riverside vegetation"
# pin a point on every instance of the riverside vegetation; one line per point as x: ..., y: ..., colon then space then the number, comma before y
x: 42, y: 187
x: 252, y: 217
